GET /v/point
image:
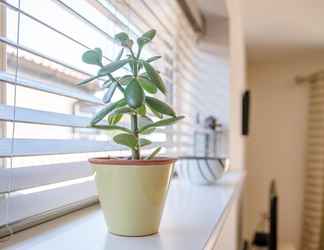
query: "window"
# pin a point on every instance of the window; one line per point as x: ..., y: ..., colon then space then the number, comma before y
x: 45, y: 142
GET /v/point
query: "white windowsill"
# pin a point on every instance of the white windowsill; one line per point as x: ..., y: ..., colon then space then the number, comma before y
x: 192, y: 219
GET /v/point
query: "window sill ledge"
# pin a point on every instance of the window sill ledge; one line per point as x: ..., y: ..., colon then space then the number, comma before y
x: 192, y: 219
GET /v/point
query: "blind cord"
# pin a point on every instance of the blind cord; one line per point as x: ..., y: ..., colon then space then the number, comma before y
x: 12, y: 145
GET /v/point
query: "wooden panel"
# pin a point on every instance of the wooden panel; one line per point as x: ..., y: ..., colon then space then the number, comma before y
x: 29, y: 177
x: 59, y: 89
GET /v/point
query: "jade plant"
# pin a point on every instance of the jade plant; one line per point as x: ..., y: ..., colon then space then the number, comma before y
x: 138, y: 86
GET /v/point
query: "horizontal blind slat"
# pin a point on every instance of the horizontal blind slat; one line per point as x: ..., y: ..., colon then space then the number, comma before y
x: 32, y: 147
x: 26, y: 115
x: 36, y: 53
x: 59, y: 89
x: 34, y: 176
x: 46, y: 201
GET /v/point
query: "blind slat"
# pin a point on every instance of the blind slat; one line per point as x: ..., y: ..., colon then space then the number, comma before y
x: 46, y: 200
x: 34, y: 176
x: 26, y: 115
x: 59, y: 89
x: 36, y: 53
x: 32, y: 147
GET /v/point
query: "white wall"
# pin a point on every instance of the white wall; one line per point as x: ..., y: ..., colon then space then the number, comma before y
x: 276, y: 144
x: 237, y: 83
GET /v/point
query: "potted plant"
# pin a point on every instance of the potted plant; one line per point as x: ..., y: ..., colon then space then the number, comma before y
x: 132, y: 190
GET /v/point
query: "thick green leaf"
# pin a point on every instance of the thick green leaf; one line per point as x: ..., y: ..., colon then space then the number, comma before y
x: 114, y: 119
x: 145, y: 121
x: 147, y: 84
x: 93, y: 57
x: 111, y: 67
x: 122, y: 39
x: 123, y: 110
x: 134, y: 94
x: 128, y: 140
x: 153, y: 154
x: 110, y: 92
x: 152, y: 59
x: 159, y: 106
x: 161, y: 123
x: 142, y: 110
x: 157, y: 114
x: 156, y: 79
x: 120, y: 54
x: 112, y: 127
x: 106, y: 110
x: 144, y: 142
x: 146, y: 38
x: 88, y: 80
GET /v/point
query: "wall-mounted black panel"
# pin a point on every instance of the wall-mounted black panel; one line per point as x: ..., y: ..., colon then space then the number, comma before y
x: 245, y: 112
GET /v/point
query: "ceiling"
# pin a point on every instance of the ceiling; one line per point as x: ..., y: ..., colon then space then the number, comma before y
x: 280, y: 28
x: 213, y: 7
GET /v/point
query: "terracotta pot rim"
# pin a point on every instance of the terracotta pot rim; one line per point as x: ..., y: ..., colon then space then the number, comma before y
x: 125, y: 162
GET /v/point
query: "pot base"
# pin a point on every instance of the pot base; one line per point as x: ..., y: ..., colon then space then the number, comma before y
x: 141, y: 235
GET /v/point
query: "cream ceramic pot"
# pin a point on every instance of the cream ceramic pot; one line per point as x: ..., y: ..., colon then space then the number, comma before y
x: 132, y: 193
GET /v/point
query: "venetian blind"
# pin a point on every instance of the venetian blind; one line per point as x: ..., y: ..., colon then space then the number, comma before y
x: 45, y: 140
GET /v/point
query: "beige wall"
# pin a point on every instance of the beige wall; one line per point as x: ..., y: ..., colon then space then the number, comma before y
x: 276, y: 144
x: 237, y: 83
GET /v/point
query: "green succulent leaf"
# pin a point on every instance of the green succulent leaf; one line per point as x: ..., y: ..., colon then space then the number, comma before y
x: 144, y: 142
x: 88, y: 80
x: 146, y: 38
x: 161, y: 123
x: 112, y: 67
x: 106, y: 110
x: 122, y: 39
x: 147, y: 85
x: 110, y: 92
x: 128, y: 140
x: 93, y: 56
x: 144, y: 121
x: 157, y: 114
x: 134, y: 94
x: 141, y: 110
x: 153, y: 154
x: 114, y: 119
x: 159, y: 106
x: 153, y: 58
x: 112, y: 127
x: 156, y: 79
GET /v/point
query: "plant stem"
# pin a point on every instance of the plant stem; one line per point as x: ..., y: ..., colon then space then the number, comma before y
x: 134, y: 126
x: 118, y: 83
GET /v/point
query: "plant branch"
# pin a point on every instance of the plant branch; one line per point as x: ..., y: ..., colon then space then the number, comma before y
x: 134, y: 126
x: 118, y: 83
